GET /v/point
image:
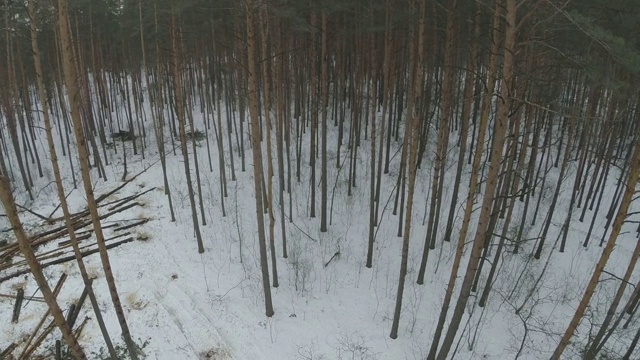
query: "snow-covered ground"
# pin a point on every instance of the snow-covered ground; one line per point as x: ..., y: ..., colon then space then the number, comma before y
x: 184, y: 305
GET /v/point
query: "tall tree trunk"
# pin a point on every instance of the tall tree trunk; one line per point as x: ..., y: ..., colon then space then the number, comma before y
x: 411, y: 139
x: 75, y: 99
x: 257, y: 152
x: 266, y: 85
x: 440, y: 161
x: 313, y: 98
x: 325, y: 102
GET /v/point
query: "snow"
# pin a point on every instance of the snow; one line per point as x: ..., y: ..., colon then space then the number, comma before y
x: 186, y: 305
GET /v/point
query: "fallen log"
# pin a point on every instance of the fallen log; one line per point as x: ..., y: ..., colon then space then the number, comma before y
x: 104, y: 196
x: 29, y: 298
x: 65, y: 259
x: 102, y: 217
x: 41, y: 217
x: 137, y: 223
x: 67, y: 243
x: 127, y: 199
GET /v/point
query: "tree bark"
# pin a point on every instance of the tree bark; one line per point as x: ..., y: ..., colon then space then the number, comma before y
x: 257, y: 152
x: 411, y: 138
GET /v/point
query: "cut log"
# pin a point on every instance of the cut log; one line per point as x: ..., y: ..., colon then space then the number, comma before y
x: 17, y: 306
x: 137, y: 223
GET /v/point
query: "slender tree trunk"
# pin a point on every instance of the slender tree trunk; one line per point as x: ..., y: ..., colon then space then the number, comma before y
x: 440, y: 160
x: 257, y: 152
x: 411, y: 138
x: 325, y: 102
x: 280, y: 123
x: 388, y: 89
x: 372, y: 184
x: 313, y: 98
x: 180, y: 108
x: 464, y: 124
x: 266, y: 85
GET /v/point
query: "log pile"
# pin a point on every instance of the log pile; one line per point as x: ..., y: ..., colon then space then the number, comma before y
x: 12, y: 264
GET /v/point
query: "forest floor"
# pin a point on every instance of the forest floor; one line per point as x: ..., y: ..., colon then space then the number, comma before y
x: 184, y: 305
